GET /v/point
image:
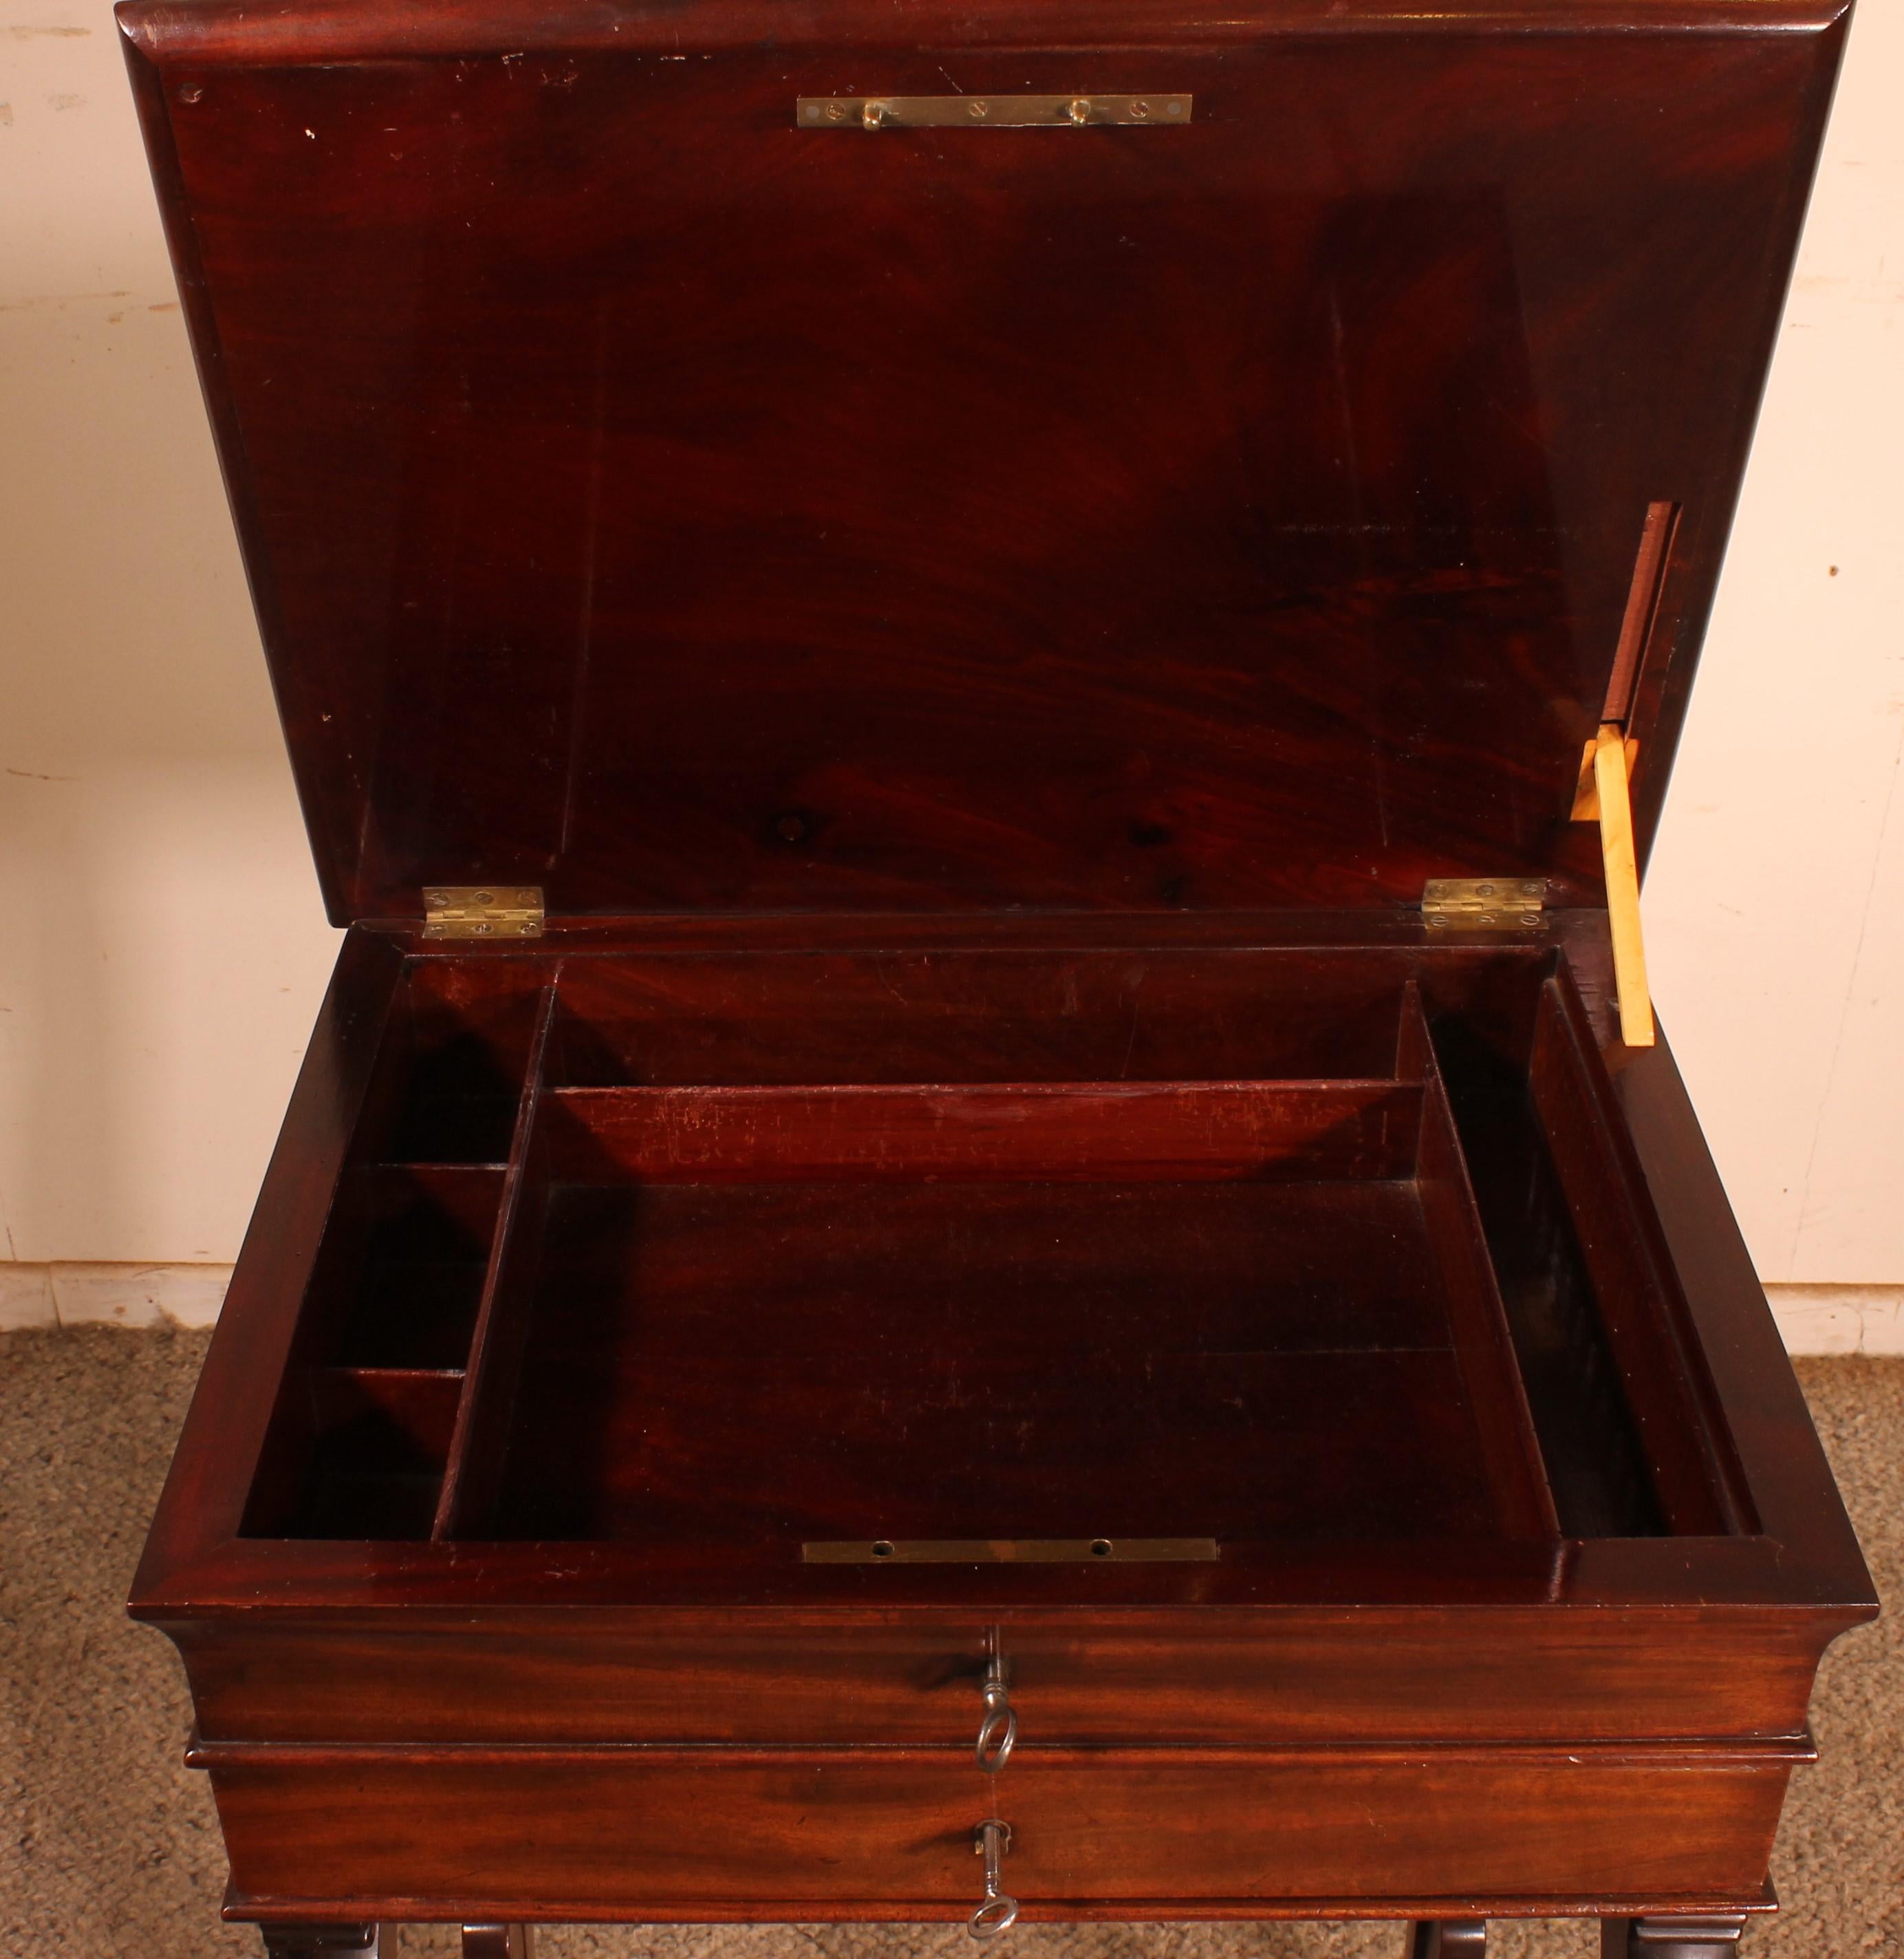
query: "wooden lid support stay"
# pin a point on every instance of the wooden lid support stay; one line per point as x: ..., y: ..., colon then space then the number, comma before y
x: 1604, y: 771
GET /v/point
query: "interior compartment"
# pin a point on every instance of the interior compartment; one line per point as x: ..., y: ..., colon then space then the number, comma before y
x: 918, y: 1016
x: 360, y: 1437
x: 454, y: 1062
x: 379, y: 1439
x: 357, y: 1453
x: 800, y: 1248
x: 404, y: 1261
x: 1053, y: 1372
x: 1015, y: 1293
x: 1602, y: 1484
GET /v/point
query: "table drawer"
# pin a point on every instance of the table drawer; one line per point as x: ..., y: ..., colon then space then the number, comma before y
x: 1311, y: 1676
x: 670, y: 1833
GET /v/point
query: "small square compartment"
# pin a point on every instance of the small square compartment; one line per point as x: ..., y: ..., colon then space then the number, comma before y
x: 374, y: 1442
x: 454, y: 1060
x: 411, y: 1246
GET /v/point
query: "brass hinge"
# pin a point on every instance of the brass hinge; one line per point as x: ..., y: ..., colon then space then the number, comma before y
x: 1483, y: 904
x: 482, y: 911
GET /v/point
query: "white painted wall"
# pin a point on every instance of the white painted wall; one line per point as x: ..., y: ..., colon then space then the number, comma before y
x: 162, y: 948
x: 1775, y: 902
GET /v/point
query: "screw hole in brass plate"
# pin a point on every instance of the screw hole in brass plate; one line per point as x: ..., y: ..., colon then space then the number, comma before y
x: 1012, y: 1550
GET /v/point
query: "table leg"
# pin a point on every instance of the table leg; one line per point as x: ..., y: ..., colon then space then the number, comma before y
x: 498, y: 1942
x: 1448, y: 1938
x: 321, y: 1941
x: 1707, y: 1936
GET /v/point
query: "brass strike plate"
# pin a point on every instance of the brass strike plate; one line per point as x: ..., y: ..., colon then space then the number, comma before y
x: 482, y: 911
x: 1484, y: 904
x: 990, y: 112
x: 1013, y: 1551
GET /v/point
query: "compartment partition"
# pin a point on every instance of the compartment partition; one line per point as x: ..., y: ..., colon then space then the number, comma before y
x: 1483, y: 1338
x: 501, y: 1317
x: 1087, y: 1132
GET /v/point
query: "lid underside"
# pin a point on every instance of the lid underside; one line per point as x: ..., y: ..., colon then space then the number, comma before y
x: 651, y: 499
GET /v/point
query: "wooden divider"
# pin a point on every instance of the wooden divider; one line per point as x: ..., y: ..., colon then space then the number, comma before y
x: 1483, y: 1343
x: 501, y: 1318
x: 1074, y: 1131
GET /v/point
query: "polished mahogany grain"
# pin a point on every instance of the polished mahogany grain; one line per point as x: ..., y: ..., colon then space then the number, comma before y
x: 654, y: 1833
x: 1266, y: 1676
x: 942, y: 1360
x: 1232, y: 515
x: 1041, y: 1287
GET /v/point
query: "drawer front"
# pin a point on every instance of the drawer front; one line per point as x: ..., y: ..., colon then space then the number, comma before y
x: 670, y: 1834
x: 1313, y: 1677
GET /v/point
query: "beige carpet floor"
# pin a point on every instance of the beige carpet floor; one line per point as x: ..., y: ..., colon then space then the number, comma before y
x: 109, y: 1846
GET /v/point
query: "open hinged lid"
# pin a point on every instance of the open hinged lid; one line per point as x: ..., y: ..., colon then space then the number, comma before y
x: 1228, y: 496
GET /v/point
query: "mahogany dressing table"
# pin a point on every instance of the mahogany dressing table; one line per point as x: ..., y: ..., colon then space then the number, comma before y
x: 986, y: 1219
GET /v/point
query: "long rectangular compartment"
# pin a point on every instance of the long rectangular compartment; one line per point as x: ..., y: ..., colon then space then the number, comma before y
x: 766, y: 1256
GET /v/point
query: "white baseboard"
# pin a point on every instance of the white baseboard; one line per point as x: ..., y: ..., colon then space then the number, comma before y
x: 1839, y: 1319
x: 68, y: 1293
x: 26, y: 1297
x: 1813, y: 1319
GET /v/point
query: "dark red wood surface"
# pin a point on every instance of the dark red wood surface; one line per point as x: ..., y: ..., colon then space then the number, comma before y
x: 1102, y: 1132
x: 951, y: 1307
x: 664, y: 1398
x: 1267, y: 1676
x: 650, y: 500
x: 847, y: 1834
x: 750, y: 1367
x: 459, y: 1020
